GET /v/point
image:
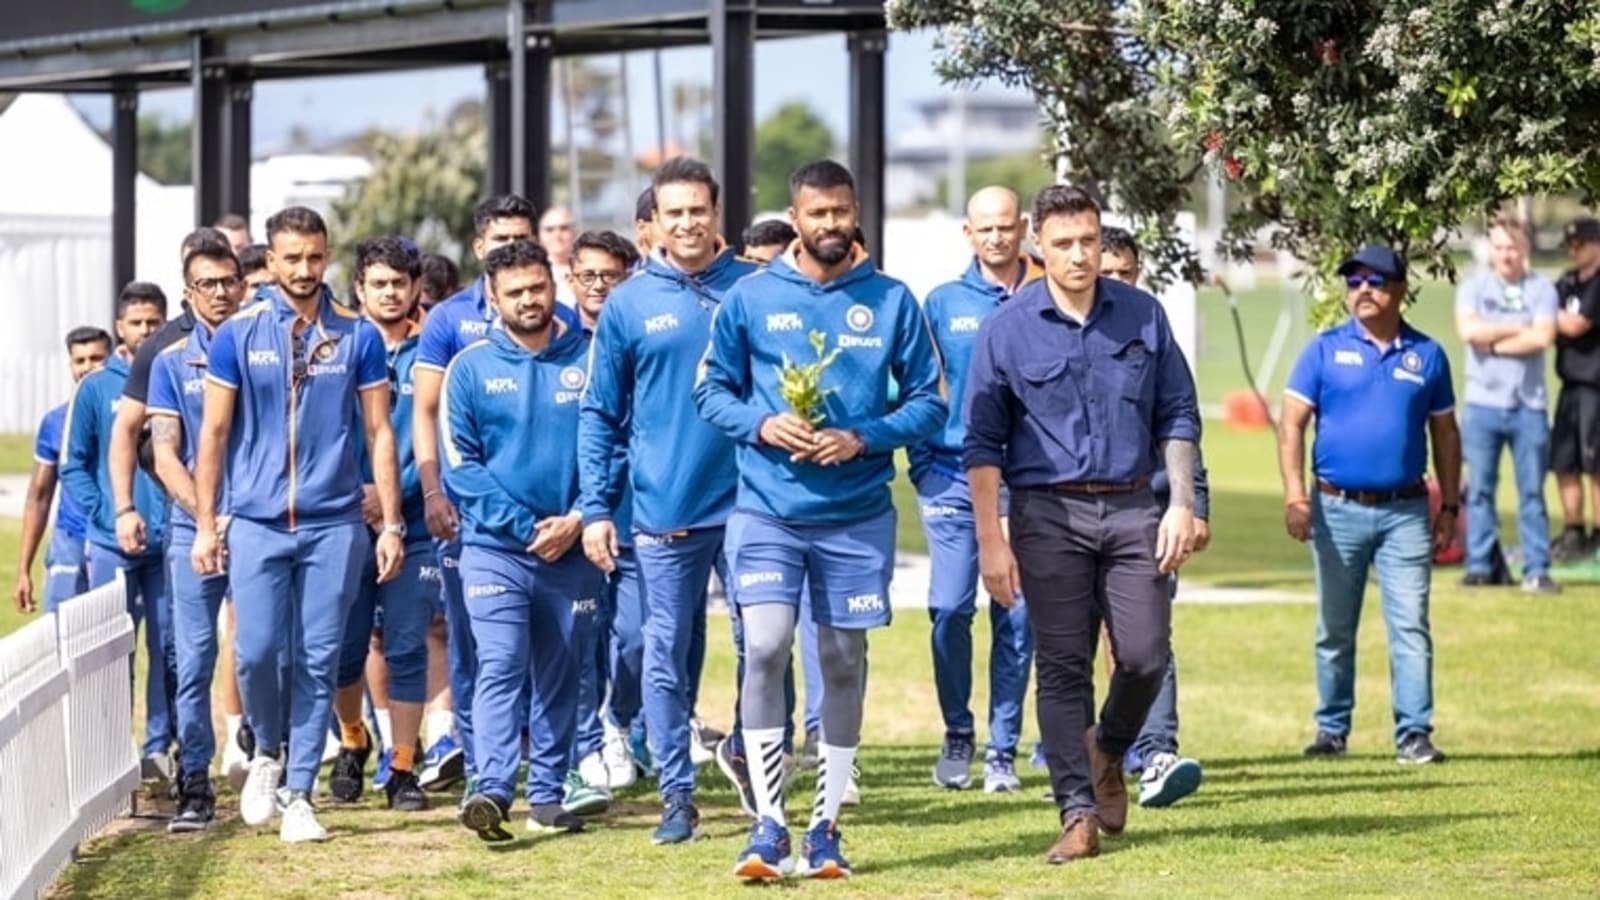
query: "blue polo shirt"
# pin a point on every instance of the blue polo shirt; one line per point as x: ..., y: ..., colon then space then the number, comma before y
x: 177, y: 389
x: 1372, y: 406
x: 1050, y: 400
x: 464, y: 319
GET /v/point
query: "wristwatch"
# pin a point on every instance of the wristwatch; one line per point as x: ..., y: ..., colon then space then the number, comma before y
x: 397, y: 529
x: 125, y: 510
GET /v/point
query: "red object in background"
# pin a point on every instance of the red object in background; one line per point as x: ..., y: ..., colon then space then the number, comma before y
x: 1456, y: 550
x: 1244, y: 409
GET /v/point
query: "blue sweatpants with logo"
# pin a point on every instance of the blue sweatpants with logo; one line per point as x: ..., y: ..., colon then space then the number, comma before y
x: 625, y: 644
x: 946, y: 506
x: 146, y: 579
x: 406, y: 603
x: 292, y: 591
x: 66, y: 574
x: 526, y: 618
x: 461, y: 653
x: 196, y: 600
x: 674, y: 571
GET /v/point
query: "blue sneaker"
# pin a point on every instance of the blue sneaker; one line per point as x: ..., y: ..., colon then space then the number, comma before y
x: 443, y: 765
x: 1168, y: 779
x: 380, y: 776
x: 819, y: 853
x: 1037, y: 758
x: 680, y: 821
x: 769, y: 855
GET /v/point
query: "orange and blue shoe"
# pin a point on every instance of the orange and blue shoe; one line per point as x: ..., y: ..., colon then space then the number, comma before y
x: 769, y: 855
x: 819, y: 853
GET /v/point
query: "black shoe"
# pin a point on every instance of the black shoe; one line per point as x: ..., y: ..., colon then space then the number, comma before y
x: 197, y: 805
x: 731, y: 760
x: 1474, y: 579
x: 247, y: 741
x: 1571, y: 546
x: 487, y: 816
x: 405, y: 792
x: 1415, y: 749
x: 1326, y: 745
x: 1540, y: 584
x: 349, y: 771
x: 553, y: 817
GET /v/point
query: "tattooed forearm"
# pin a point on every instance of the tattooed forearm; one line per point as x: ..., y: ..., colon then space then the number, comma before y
x: 1179, y: 456
x: 166, y: 436
x: 166, y: 431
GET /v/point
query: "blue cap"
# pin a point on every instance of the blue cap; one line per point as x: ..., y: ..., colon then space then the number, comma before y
x: 1379, y: 259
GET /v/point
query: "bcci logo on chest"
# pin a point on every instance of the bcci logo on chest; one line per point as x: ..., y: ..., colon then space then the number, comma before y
x: 572, y: 381
x: 860, y: 319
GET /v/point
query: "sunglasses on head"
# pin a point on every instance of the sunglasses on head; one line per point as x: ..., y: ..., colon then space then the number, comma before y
x: 1371, y: 279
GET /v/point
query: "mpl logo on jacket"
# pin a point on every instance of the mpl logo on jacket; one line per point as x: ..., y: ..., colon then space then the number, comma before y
x: 786, y: 321
x: 572, y: 379
x: 264, y: 358
x: 499, y: 385
x: 585, y: 606
x: 474, y: 327
x: 964, y: 324
x: 663, y: 322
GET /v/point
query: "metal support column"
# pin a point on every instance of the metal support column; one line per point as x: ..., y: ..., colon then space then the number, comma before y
x: 124, y: 181
x: 498, y: 113
x: 210, y: 110
x: 733, y: 61
x: 238, y: 91
x: 867, y: 132
x: 532, y: 55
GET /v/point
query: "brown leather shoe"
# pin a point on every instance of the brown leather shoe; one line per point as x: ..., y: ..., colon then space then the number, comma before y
x: 1110, y: 791
x: 1080, y: 838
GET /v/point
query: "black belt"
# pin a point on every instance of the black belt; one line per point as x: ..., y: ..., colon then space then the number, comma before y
x: 1374, y: 498
x: 1099, y: 487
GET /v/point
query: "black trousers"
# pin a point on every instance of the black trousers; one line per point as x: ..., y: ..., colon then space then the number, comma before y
x: 1084, y: 559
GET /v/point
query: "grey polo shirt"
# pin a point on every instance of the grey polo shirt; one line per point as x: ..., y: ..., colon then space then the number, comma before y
x: 1506, y: 382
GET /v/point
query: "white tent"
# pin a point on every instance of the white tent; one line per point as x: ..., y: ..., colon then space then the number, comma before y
x: 55, y: 247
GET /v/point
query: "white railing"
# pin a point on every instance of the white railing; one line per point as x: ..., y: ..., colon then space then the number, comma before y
x: 66, y: 747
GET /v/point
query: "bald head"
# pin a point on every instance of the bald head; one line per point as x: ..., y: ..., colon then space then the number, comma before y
x: 994, y: 228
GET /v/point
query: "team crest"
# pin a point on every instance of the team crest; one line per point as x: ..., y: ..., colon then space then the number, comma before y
x: 572, y: 378
x: 858, y: 317
x: 1411, y: 361
x: 325, y: 352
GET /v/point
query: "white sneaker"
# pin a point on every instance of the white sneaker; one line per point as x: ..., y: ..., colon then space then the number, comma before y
x: 300, y: 823
x: 592, y: 769
x: 852, y: 788
x: 330, y: 748
x: 703, y: 740
x: 258, y: 799
x: 618, y: 757
x: 235, y: 762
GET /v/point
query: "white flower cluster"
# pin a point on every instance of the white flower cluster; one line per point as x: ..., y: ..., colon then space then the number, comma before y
x: 1265, y: 27
x: 1383, y: 45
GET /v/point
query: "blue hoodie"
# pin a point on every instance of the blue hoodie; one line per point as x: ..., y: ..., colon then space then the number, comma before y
x: 292, y: 459
x: 177, y: 389
x: 508, y: 422
x: 955, y: 310
x: 86, y: 462
x: 881, y: 334
x: 647, y: 348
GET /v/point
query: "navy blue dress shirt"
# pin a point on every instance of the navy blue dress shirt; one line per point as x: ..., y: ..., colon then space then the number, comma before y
x: 1051, y: 400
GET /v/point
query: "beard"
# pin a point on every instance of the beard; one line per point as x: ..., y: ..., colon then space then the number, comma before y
x: 831, y: 253
x: 533, y: 324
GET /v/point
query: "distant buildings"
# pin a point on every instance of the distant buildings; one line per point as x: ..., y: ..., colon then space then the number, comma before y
x: 954, y: 130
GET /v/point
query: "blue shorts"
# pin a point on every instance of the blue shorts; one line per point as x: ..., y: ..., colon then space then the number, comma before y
x: 848, y: 566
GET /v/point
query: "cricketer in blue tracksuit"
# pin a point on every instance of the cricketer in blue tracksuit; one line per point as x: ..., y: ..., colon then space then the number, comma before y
x: 451, y: 326
x: 65, y: 573
x: 508, y: 420
x: 86, y: 477
x: 177, y: 391
x: 954, y: 311
x: 407, y: 601
x: 297, y: 540
x: 647, y: 348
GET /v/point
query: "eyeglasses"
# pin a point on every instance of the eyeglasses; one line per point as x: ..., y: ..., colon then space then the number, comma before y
x: 394, y: 386
x: 609, y: 278
x: 213, y: 285
x: 1372, y: 279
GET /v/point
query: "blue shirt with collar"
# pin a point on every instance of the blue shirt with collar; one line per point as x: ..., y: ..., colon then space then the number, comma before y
x: 955, y: 310
x: 1372, y: 406
x: 86, y: 461
x: 508, y: 420
x: 292, y: 457
x: 47, y: 452
x: 880, y: 332
x: 177, y: 389
x: 401, y: 358
x: 1050, y: 400
x: 647, y: 349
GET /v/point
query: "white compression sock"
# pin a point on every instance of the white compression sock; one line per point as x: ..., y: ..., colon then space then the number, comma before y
x: 833, y: 774
x: 385, y: 729
x: 763, y: 751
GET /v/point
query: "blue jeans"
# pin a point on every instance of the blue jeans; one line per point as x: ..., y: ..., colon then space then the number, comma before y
x: 146, y: 579
x: 196, y: 600
x: 1347, y: 539
x: 1485, y: 430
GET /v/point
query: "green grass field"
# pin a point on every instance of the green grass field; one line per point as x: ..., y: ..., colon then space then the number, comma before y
x: 1511, y: 814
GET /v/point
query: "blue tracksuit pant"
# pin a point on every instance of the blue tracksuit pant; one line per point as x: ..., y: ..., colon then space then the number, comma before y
x: 196, y: 600
x: 66, y: 574
x: 146, y: 578
x: 461, y: 653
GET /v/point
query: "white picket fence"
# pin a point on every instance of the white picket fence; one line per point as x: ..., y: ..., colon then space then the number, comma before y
x: 68, y: 763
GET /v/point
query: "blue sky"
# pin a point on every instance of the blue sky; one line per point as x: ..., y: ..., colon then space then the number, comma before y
x: 814, y: 69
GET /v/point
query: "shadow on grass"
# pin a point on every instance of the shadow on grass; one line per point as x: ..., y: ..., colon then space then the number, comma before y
x: 177, y: 869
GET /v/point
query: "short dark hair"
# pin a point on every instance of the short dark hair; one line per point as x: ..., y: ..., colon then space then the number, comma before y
x: 440, y: 276
x: 389, y: 251
x: 1119, y: 240
x: 645, y: 206
x: 608, y: 242
x: 202, y: 235
x: 1062, y: 200
x: 88, y: 334
x: 515, y: 255
x: 217, y: 251
x: 296, y: 220
x: 822, y: 174
x: 767, y: 232
x: 138, y: 293
x: 233, y: 222
x: 505, y: 206
x: 252, y: 259
x: 682, y: 170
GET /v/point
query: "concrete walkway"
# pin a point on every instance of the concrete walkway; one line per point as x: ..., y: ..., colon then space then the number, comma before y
x: 13, y: 489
